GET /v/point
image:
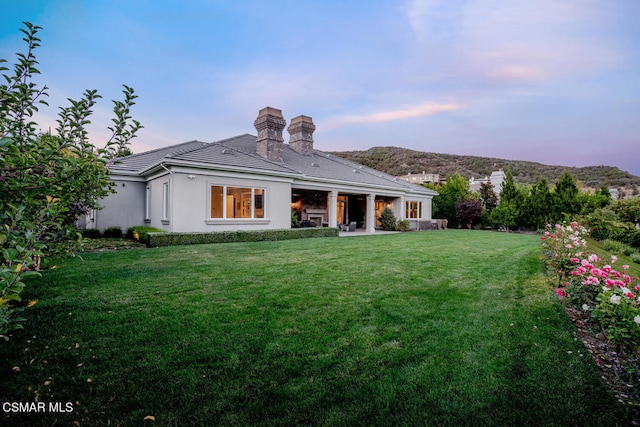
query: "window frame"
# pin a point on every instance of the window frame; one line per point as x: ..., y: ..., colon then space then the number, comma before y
x: 165, y: 201
x: 147, y: 202
x: 410, y: 209
x: 238, y: 189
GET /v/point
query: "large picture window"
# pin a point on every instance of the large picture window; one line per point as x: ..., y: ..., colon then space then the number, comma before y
x: 237, y: 202
x: 414, y: 210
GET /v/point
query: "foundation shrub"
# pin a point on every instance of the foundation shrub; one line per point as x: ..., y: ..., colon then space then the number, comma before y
x: 91, y: 233
x: 174, y: 239
x: 403, y: 225
x: 142, y: 232
x: 112, y: 232
x: 388, y: 220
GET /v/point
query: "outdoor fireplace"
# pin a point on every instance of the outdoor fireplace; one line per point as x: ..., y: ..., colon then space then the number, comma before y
x: 316, y: 216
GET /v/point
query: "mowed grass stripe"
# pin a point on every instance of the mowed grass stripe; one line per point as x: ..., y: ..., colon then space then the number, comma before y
x: 444, y: 328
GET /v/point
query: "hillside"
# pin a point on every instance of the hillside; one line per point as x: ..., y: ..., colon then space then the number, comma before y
x: 401, y: 161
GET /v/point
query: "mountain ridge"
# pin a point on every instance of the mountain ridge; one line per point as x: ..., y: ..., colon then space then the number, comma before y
x: 399, y: 161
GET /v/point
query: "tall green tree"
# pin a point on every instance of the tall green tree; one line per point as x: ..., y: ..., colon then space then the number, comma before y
x: 444, y: 204
x: 47, y: 181
x: 488, y: 196
x: 505, y: 215
x: 537, y: 206
x: 566, y: 200
x: 509, y: 193
x: 513, y: 196
x: 591, y: 202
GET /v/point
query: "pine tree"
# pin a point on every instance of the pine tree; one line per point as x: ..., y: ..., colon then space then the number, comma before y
x: 488, y: 196
x: 514, y: 197
x: 538, y: 206
x: 565, y: 198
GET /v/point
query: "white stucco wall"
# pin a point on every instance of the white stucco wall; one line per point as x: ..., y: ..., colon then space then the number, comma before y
x: 155, y: 199
x: 123, y: 209
x: 191, y: 196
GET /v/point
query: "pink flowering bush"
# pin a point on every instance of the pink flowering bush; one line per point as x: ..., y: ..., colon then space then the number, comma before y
x: 559, y: 243
x: 610, y: 296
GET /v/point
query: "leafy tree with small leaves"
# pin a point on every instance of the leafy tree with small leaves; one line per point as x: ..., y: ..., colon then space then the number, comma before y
x: 468, y: 212
x: 592, y: 202
x: 444, y: 204
x: 47, y: 181
x: 505, y: 215
x: 627, y: 209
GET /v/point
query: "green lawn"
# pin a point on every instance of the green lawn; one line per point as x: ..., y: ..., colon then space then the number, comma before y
x: 440, y: 328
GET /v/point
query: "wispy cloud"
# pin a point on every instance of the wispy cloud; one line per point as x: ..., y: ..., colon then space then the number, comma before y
x: 421, y: 110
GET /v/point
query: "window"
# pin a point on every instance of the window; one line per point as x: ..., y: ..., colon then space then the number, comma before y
x: 237, y: 202
x: 165, y: 200
x: 414, y: 210
x: 147, y: 203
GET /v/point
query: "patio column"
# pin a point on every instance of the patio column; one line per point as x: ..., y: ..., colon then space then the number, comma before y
x: 401, y: 213
x: 371, y: 213
x: 332, y: 204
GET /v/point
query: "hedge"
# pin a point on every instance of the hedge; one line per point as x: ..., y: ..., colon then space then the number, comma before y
x: 173, y: 239
x: 142, y: 231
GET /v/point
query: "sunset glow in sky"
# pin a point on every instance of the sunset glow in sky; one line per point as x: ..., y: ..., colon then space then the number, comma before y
x: 551, y: 81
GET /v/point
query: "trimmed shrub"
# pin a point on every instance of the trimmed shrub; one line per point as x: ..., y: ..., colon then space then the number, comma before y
x: 388, y: 220
x: 112, y: 232
x: 172, y: 239
x: 635, y: 257
x: 142, y: 232
x: 403, y: 225
x: 91, y: 233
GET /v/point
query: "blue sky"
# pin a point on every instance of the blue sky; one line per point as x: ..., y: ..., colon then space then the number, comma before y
x: 557, y: 82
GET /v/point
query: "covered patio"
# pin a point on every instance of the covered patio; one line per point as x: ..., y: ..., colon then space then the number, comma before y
x: 346, y: 210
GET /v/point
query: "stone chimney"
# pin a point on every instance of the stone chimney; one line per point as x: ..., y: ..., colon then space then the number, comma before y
x: 301, y: 135
x: 269, y: 125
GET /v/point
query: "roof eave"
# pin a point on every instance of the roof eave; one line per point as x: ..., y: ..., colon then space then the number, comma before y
x: 198, y: 165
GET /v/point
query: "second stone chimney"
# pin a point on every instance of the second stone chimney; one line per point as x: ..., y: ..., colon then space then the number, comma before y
x: 269, y: 125
x: 301, y: 135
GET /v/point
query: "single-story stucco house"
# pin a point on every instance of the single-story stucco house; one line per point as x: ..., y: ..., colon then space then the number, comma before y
x: 254, y: 183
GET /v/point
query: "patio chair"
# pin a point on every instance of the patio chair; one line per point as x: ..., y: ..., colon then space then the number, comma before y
x: 352, y: 226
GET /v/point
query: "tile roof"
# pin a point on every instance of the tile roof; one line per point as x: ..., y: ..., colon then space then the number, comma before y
x: 141, y: 161
x: 239, y: 152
